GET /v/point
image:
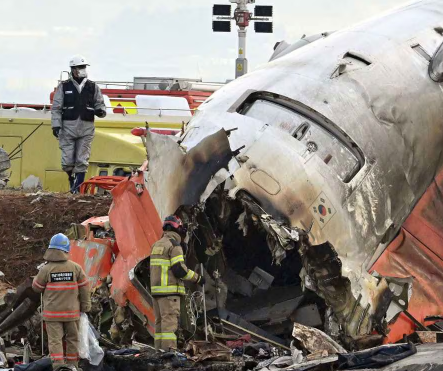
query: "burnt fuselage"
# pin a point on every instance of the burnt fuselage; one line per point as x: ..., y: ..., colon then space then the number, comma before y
x: 345, y: 133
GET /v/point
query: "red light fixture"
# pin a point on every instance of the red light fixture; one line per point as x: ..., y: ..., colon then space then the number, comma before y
x: 139, y: 132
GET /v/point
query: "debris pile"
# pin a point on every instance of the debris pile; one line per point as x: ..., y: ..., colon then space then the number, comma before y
x: 29, y: 220
x: 260, y: 315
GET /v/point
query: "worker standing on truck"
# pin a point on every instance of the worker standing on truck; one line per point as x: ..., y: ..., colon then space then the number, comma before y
x: 66, y: 294
x: 168, y: 271
x: 76, y: 102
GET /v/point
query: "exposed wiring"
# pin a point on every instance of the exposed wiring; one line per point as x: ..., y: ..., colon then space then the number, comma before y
x: 195, y: 305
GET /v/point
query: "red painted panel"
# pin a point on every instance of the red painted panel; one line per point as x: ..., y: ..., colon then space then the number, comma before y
x: 95, y: 257
x: 418, y: 252
x: 137, y: 227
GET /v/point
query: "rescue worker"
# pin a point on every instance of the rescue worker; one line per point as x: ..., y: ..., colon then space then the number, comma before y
x: 76, y: 102
x: 66, y: 294
x: 168, y: 271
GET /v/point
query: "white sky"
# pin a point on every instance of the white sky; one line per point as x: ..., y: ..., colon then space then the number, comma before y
x: 127, y: 38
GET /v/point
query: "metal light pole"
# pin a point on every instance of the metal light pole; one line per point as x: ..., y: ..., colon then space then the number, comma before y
x: 242, y: 17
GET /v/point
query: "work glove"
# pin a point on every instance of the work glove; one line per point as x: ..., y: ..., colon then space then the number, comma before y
x: 201, y: 281
x: 99, y: 113
x: 56, y: 132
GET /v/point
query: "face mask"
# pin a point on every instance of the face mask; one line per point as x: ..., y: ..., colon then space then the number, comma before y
x: 82, y: 72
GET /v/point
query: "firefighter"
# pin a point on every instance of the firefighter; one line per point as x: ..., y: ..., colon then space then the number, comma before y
x: 168, y: 271
x: 76, y: 102
x: 66, y: 294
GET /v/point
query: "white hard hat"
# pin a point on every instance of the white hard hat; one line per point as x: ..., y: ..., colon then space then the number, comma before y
x: 78, y: 60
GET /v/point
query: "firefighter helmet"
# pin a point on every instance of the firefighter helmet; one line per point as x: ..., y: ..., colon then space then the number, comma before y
x: 60, y: 242
x: 174, y: 222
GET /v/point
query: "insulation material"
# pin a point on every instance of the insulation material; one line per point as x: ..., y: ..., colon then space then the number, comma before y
x: 314, y: 340
x: 418, y: 252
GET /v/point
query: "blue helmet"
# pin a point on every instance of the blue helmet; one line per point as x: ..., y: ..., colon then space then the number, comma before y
x: 60, y: 242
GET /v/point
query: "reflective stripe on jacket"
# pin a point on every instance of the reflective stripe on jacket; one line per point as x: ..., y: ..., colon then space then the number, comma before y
x: 167, y: 253
x: 65, y: 288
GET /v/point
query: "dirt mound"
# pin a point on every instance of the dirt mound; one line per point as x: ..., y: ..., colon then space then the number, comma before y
x: 28, y: 221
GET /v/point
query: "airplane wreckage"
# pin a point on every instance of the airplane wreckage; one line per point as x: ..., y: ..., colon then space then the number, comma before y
x: 323, y: 168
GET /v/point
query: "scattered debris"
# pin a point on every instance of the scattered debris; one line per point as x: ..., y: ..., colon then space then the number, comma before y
x: 240, y: 342
x: 199, y: 351
x: 21, y: 245
x: 430, y: 336
x: 260, y: 310
x: 31, y: 182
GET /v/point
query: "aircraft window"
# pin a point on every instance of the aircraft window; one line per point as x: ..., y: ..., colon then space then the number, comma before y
x: 334, y: 153
x: 275, y: 115
x: 314, y: 136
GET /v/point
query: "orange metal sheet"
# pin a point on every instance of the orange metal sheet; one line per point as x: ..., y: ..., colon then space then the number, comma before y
x: 95, y: 257
x: 418, y: 252
x: 137, y: 227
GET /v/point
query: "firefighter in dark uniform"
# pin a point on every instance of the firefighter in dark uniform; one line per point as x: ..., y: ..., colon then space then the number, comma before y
x: 168, y: 271
x: 76, y: 102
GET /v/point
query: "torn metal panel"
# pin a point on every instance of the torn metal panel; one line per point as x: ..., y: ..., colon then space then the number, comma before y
x: 402, y: 289
x: 221, y: 176
x: 136, y: 232
x: 274, y: 296
x: 178, y: 178
x: 97, y: 258
x: 314, y: 340
x: 416, y: 252
x: 283, y: 235
x: 276, y: 313
x: 323, y: 270
x: 261, y: 279
x: 308, y: 315
x: 237, y: 284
